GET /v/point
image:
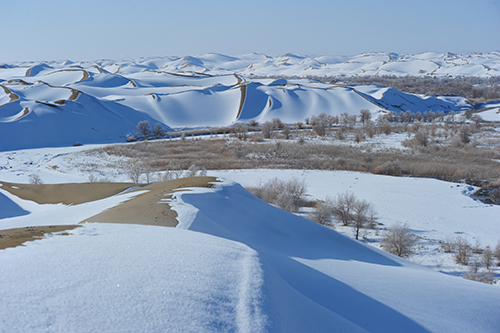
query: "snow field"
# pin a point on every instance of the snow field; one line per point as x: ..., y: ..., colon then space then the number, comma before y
x: 103, y: 278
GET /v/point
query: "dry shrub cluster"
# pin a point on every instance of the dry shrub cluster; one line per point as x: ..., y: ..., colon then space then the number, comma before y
x: 399, y: 240
x: 287, y: 195
x: 474, y: 165
x: 347, y: 210
x: 479, y: 261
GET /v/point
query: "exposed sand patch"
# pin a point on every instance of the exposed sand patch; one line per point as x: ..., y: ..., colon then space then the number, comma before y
x: 243, y: 89
x: 148, y: 208
x: 18, y: 236
x: 13, y: 97
x: 25, y: 112
x: 68, y: 194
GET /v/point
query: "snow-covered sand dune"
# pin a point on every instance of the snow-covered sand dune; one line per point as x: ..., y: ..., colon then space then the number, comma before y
x: 62, y: 103
x: 234, y: 263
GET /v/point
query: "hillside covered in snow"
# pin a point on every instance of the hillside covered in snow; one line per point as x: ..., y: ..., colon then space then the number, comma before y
x: 63, y: 103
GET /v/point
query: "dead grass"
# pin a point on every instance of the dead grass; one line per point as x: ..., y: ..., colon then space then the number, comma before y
x: 474, y: 165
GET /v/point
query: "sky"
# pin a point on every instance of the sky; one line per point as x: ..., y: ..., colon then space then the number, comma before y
x: 126, y: 29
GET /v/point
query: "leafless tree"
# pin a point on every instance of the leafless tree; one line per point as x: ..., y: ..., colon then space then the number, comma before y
x: 287, y: 132
x: 144, y: 128
x: 342, y: 208
x: 364, y: 215
x: 322, y: 214
x: 464, y: 133
x: 386, y: 127
x: 364, y: 116
x: 488, y: 257
x: 422, y: 137
x: 159, y: 131
x: 277, y: 123
x: 267, y: 130
x: 35, y: 179
x: 320, y: 123
x: 135, y: 172
x: 463, y: 251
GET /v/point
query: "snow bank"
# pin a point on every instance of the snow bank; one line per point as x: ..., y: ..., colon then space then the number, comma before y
x: 355, y: 284
x: 102, y: 278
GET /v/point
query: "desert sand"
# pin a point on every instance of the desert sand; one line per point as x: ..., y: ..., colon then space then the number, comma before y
x: 149, y: 208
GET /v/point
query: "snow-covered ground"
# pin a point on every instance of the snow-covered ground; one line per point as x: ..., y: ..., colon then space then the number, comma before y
x: 234, y: 263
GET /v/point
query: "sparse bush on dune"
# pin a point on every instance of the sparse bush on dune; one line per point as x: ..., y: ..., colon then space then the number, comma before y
x: 399, y: 240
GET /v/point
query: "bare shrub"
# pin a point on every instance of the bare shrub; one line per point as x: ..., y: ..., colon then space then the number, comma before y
x: 287, y: 132
x: 253, y: 123
x: 148, y: 172
x: 487, y: 257
x: 399, y: 240
x: 144, y: 129
x: 365, y: 115
x: 474, y: 273
x: 364, y: 215
x: 240, y: 131
x: 496, y: 253
x: 287, y: 195
x: 422, y: 137
x: 159, y: 131
x: 463, y: 251
x: 464, y: 133
x: 135, y: 172
x: 35, y: 179
x: 385, y: 126
x: 194, y: 170
x: 359, y: 135
x: 322, y: 214
x: 342, y: 208
x: 448, y: 246
x: 277, y: 123
x: 267, y: 130
x: 320, y: 124
x: 477, y: 249
x: 370, y: 129
x: 92, y: 178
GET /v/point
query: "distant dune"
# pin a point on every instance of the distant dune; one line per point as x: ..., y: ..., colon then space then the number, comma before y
x: 62, y: 103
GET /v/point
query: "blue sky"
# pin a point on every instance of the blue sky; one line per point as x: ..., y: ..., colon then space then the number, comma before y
x: 124, y: 29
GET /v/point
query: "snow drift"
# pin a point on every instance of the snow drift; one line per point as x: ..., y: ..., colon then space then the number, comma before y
x: 234, y: 263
